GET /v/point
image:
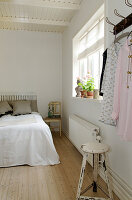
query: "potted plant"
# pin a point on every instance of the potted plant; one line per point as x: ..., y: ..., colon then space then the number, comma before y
x: 84, y: 90
x: 90, y: 87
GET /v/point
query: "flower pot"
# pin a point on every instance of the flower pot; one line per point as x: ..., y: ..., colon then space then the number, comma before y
x: 84, y: 93
x: 90, y: 93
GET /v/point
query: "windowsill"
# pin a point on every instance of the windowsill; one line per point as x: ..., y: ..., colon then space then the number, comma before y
x: 88, y: 99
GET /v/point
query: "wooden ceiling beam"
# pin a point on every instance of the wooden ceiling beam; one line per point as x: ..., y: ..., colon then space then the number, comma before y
x: 34, y: 21
x: 43, y: 4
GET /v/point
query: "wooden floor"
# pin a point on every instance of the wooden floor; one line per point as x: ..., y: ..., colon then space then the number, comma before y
x: 47, y: 182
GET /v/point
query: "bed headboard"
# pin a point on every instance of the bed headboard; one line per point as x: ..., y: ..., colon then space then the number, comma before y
x: 17, y: 96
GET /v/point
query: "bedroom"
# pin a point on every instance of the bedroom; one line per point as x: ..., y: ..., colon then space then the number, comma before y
x: 36, y: 59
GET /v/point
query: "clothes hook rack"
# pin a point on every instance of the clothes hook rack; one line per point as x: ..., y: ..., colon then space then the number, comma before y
x: 118, y: 15
x: 125, y: 23
x: 109, y: 22
x: 128, y: 3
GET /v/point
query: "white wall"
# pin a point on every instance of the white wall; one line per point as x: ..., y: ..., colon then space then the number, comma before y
x: 120, y: 156
x: 31, y: 62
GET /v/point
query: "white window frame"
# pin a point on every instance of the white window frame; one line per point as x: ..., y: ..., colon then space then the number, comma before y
x: 94, y: 19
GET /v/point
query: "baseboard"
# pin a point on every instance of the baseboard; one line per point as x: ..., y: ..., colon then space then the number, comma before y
x: 120, y: 187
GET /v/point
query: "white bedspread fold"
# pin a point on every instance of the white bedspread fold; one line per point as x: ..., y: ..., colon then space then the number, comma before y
x: 20, y: 121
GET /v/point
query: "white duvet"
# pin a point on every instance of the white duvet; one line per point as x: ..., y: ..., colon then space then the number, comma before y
x: 26, y: 139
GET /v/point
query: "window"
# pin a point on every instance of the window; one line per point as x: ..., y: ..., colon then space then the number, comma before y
x: 87, y: 53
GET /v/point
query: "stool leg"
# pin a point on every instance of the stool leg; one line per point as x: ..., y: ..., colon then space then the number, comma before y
x: 108, y: 181
x: 95, y: 172
x: 81, y: 176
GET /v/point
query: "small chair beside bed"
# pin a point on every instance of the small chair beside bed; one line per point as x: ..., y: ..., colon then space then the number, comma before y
x: 25, y: 139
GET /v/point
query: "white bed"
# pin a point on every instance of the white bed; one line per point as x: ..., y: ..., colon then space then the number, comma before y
x: 26, y: 139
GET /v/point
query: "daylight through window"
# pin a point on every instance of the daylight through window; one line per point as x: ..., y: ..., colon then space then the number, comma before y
x: 89, y: 53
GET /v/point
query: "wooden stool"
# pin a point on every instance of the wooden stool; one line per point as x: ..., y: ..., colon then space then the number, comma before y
x: 96, y: 149
x: 53, y: 120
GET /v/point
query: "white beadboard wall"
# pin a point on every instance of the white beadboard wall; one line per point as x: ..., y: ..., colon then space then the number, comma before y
x: 31, y: 62
x: 120, y: 155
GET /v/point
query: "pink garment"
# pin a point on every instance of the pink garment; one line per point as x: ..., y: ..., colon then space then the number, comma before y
x: 122, y: 106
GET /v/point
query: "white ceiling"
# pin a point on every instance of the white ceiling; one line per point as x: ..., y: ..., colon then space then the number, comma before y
x: 37, y: 15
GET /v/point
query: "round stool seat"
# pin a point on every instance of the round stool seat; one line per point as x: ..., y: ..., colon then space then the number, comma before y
x: 95, y: 148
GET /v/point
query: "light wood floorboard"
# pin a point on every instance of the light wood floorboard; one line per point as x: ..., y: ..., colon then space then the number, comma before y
x: 57, y: 182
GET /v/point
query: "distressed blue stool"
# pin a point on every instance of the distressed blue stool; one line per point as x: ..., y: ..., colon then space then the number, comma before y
x: 96, y: 149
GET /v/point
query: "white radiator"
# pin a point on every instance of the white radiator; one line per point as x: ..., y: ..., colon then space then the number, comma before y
x: 81, y: 132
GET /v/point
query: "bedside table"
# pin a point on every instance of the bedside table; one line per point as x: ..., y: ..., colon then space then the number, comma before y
x: 50, y: 120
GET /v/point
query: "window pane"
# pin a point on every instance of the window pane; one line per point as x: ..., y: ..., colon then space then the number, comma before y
x: 83, y: 68
x: 92, y: 36
x: 101, y: 60
x: 101, y: 29
x: 94, y: 66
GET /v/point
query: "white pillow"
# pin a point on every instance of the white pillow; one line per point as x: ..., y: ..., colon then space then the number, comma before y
x: 4, y: 107
x: 21, y: 107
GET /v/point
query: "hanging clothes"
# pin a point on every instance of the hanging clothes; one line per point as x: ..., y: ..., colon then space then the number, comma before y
x: 108, y: 84
x: 122, y: 104
x: 102, y: 73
